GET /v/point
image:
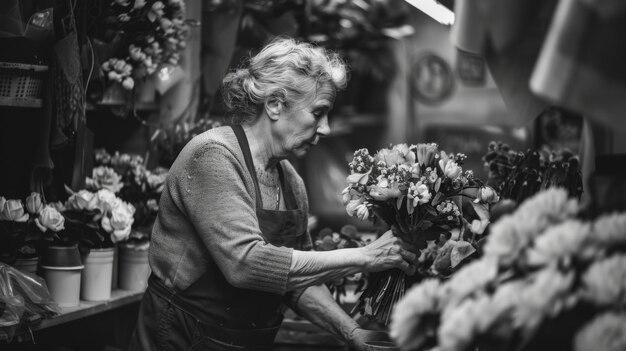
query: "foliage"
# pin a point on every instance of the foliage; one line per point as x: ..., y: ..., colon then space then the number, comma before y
x: 517, y: 175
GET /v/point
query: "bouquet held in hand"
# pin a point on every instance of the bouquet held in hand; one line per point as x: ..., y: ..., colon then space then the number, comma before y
x: 425, y: 197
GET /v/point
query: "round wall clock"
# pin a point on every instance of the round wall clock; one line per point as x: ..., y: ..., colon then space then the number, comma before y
x: 432, y: 80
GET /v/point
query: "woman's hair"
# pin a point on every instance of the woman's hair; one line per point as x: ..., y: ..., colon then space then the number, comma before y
x: 284, y: 70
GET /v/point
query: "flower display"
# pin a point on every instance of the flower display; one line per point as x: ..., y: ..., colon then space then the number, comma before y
x: 96, y: 219
x: 548, y: 279
x: 425, y: 197
x: 139, y: 187
x: 150, y: 34
x: 25, y: 226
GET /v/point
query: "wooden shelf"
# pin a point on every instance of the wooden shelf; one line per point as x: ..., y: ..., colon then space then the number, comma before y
x: 20, y: 102
x: 88, y: 308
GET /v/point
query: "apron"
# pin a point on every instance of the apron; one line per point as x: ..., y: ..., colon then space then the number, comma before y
x: 211, y: 314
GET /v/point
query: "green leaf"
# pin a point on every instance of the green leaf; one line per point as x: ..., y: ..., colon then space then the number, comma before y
x: 438, y: 198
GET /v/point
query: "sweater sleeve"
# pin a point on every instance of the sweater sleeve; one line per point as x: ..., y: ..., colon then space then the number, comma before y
x: 216, y: 195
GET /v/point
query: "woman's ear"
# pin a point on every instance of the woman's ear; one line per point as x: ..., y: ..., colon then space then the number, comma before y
x: 273, y: 108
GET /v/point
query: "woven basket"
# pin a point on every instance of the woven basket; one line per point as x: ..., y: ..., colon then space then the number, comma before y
x: 21, y: 84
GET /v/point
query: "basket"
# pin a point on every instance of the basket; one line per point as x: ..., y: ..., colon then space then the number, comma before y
x: 21, y: 84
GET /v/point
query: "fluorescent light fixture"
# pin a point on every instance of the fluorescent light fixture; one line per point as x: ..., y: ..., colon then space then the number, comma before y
x: 435, y: 10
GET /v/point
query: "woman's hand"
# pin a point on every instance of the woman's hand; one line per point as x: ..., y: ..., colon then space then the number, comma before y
x: 360, y: 336
x: 389, y: 252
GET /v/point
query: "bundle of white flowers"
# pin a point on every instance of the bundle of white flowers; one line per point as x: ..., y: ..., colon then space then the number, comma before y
x: 549, y: 279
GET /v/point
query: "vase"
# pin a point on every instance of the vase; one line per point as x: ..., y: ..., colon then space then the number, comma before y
x: 134, y: 269
x: 27, y: 265
x: 145, y: 90
x: 115, y: 94
x: 96, y: 278
x: 61, y: 269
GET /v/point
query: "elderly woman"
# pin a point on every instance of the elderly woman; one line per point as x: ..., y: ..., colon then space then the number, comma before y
x: 230, y: 246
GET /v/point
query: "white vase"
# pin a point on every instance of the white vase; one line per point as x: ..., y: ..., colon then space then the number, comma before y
x: 96, y: 278
x: 134, y: 269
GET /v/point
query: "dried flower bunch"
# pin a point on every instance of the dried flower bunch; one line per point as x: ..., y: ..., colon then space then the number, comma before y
x: 425, y: 197
x: 548, y: 280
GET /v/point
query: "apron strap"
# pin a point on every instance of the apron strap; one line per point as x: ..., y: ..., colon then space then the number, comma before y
x: 247, y: 156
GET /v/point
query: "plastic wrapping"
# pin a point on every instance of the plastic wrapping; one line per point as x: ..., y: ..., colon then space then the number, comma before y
x: 24, y: 300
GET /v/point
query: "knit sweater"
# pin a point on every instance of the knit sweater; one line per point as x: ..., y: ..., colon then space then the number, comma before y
x: 207, y: 216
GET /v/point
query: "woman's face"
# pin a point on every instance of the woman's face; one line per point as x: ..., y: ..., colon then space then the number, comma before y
x: 302, y: 126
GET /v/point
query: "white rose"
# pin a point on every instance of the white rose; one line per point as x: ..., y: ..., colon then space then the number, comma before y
x: 34, y: 203
x: 119, y: 221
x: 50, y: 219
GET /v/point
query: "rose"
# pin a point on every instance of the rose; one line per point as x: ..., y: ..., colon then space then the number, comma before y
x: 13, y: 210
x: 119, y: 221
x: 106, y: 200
x: 128, y: 83
x: 155, y: 181
x: 50, y: 219
x: 105, y: 178
x: 34, y: 203
x: 450, y: 168
x: 82, y: 200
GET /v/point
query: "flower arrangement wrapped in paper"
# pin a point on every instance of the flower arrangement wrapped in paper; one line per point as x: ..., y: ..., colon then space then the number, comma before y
x: 549, y: 279
x: 424, y: 196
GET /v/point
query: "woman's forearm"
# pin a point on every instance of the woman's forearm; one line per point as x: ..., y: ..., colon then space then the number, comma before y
x: 318, y: 306
x: 316, y: 267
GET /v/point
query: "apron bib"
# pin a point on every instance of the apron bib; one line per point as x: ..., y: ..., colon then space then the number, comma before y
x: 211, y: 314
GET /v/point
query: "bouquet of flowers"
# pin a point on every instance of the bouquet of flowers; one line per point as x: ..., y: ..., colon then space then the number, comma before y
x: 423, y: 194
x: 549, y: 279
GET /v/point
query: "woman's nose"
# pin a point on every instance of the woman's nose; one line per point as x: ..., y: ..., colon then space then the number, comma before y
x: 322, y: 126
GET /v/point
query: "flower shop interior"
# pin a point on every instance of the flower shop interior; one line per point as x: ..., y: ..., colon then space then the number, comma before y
x: 505, y: 118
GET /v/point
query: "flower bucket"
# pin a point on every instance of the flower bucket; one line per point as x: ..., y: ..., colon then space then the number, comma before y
x: 97, y: 275
x: 27, y: 265
x: 61, y: 269
x: 134, y: 269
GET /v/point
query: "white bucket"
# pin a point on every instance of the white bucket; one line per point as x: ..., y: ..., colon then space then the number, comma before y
x: 134, y: 269
x: 97, y: 275
x: 63, y: 284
